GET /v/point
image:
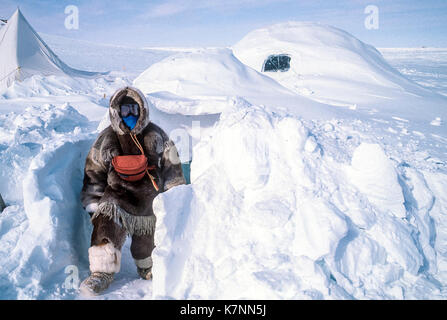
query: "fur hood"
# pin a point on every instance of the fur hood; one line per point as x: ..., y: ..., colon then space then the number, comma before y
x: 117, y: 122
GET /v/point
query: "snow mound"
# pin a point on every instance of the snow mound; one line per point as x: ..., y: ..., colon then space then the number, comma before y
x: 331, y: 66
x: 316, y: 50
x: 277, y: 211
x: 206, y: 76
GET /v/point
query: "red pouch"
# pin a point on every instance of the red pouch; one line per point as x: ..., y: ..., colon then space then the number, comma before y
x: 131, y: 167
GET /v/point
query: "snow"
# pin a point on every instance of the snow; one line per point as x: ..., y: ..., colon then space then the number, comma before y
x: 207, y: 74
x: 426, y: 66
x: 124, y: 61
x: 46, y: 202
x: 331, y: 66
x: 313, y: 191
x: 374, y: 175
x: 279, y: 220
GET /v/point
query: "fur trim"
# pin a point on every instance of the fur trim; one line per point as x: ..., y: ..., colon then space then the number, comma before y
x: 138, y: 225
x: 116, y: 122
x: 144, y: 263
x: 104, y: 258
x: 91, y: 207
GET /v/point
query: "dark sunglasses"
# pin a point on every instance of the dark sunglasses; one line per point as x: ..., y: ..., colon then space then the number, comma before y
x: 127, y: 109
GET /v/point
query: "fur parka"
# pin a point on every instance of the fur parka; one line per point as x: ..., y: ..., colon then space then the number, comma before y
x: 105, y: 193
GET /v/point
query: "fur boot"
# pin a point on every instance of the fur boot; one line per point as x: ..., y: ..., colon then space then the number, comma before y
x: 145, y: 273
x: 96, y: 283
x: 105, y: 261
x: 144, y: 268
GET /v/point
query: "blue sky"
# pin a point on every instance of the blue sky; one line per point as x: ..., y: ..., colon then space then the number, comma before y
x: 402, y: 23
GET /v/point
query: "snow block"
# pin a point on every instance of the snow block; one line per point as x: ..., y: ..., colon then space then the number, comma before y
x: 374, y: 175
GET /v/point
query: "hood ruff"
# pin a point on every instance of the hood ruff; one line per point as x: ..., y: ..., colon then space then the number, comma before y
x: 117, y: 122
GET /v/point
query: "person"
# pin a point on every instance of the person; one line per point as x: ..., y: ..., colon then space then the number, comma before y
x: 119, y: 201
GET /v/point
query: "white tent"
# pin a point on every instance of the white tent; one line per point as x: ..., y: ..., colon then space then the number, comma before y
x: 23, y: 54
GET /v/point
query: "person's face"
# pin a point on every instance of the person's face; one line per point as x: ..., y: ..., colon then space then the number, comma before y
x: 129, y: 109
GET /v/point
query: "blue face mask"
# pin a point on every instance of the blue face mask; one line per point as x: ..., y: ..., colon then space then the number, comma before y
x: 130, y: 121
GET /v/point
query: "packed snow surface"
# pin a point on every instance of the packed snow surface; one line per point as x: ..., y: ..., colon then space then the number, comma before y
x: 293, y: 194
